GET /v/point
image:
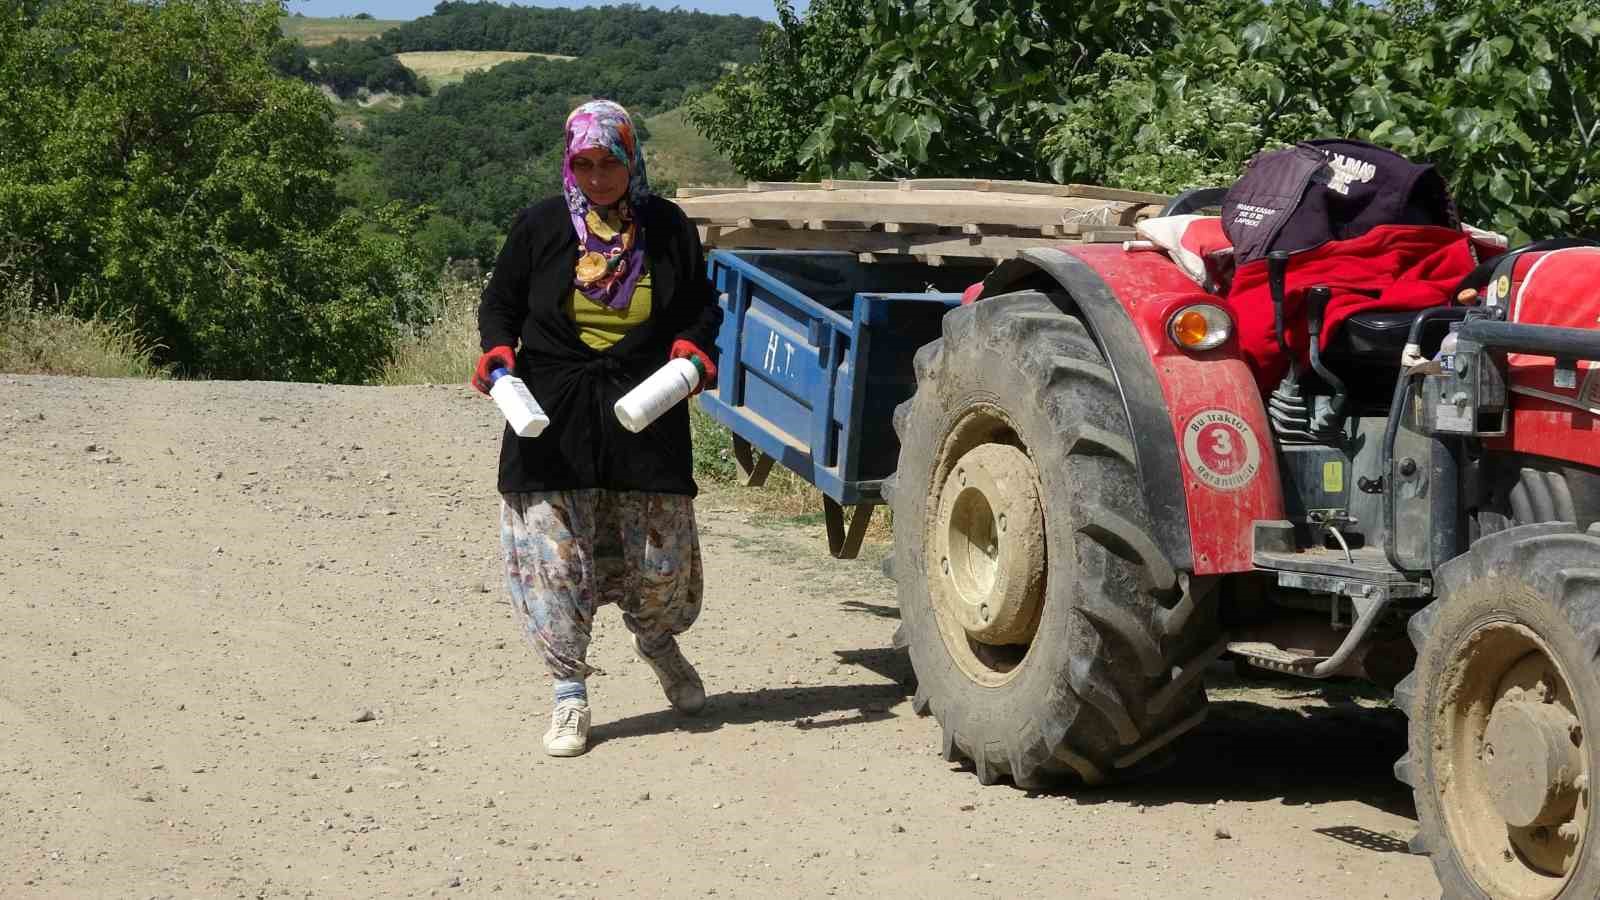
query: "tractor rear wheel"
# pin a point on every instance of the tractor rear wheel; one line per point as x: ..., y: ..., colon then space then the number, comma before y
x: 1503, y: 703
x: 1049, y: 633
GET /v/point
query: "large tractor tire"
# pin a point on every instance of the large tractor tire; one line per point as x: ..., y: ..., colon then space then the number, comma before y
x: 1503, y: 705
x: 1049, y: 634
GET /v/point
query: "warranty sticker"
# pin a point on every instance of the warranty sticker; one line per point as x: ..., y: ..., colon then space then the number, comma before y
x: 1221, y: 449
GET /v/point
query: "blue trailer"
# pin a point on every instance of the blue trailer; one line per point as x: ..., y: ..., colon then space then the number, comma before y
x: 815, y: 354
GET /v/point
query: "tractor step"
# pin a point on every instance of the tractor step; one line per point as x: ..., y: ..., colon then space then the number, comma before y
x: 1362, y: 573
x: 1359, y: 574
x: 1270, y: 656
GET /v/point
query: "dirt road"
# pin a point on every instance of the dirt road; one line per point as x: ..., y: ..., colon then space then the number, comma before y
x: 203, y: 586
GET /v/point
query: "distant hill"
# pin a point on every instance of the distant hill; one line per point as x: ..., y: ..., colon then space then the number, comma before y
x: 678, y: 155
x: 442, y: 67
x: 474, y: 150
x: 319, y: 32
x: 351, y: 55
x: 579, y: 32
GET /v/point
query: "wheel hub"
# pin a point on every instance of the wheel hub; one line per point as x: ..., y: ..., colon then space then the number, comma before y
x: 1509, y: 743
x: 1532, y: 763
x: 989, y: 545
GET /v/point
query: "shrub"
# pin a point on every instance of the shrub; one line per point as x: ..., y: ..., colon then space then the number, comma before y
x: 174, y: 183
x: 37, y: 341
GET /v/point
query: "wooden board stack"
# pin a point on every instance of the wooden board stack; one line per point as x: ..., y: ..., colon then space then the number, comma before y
x: 940, y: 221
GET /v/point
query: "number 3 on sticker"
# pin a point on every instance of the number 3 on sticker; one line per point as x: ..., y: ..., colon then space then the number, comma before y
x: 1222, y: 442
x: 1221, y: 449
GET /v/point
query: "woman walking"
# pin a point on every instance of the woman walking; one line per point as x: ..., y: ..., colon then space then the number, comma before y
x: 592, y: 292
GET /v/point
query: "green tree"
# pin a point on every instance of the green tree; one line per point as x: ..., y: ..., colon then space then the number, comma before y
x: 155, y: 166
x: 1503, y: 96
x: 761, y: 117
x: 953, y: 87
x: 1164, y: 95
x: 1498, y: 94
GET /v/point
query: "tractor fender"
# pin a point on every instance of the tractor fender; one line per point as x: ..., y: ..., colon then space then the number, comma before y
x: 1203, y: 447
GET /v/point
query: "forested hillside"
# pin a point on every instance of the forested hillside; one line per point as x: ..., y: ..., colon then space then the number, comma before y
x: 178, y: 170
x: 155, y: 170
x: 485, y: 147
x: 577, y: 32
x: 346, y: 65
x: 481, y: 150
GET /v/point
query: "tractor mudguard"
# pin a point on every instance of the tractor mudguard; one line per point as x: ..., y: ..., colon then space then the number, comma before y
x: 1207, y: 463
x: 1558, y: 287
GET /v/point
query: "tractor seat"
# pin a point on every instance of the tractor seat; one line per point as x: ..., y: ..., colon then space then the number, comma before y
x: 1379, y: 331
x: 1381, y: 334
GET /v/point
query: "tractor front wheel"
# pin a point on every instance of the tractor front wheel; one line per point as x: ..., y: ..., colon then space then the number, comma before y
x: 1502, y: 705
x: 1049, y: 633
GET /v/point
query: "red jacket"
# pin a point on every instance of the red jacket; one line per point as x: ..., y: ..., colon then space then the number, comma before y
x: 1391, y: 267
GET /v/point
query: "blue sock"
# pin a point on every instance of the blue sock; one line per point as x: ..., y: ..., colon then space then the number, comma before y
x: 572, y: 689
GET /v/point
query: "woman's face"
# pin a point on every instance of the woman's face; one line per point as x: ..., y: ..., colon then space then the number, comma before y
x: 602, y: 177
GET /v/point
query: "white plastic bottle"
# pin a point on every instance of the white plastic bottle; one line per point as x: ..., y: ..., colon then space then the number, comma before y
x: 665, y: 388
x: 516, y: 402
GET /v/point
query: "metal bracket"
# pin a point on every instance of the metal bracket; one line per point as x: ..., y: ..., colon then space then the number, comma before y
x: 1270, y: 656
x: 1367, y: 612
x: 843, y: 542
x: 754, y: 466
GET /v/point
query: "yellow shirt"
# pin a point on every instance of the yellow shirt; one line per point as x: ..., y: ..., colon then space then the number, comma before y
x: 601, y: 326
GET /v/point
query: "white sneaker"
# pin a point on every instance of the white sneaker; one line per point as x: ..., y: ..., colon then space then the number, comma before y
x: 678, y: 679
x: 569, y: 729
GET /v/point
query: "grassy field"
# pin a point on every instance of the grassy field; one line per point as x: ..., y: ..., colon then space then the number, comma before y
x: 445, y: 351
x: 38, y: 341
x: 677, y: 153
x: 315, y: 32
x: 442, y: 67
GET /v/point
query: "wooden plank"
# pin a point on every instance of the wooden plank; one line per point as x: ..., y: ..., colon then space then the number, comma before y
x: 689, y: 193
x: 843, y: 225
x: 1029, y: 188
x: 954, y: 249
x: 953, y: 212
x: 1096, y: 192
x: 756, y: 187
x: 911, y: 185
x: 1108, y: 235
x: 946, y: 184
x: 837, y: 184
x: 771, y: 223
x: 954, y: 207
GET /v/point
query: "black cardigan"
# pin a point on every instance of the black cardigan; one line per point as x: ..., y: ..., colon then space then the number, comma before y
x: 585, y: 446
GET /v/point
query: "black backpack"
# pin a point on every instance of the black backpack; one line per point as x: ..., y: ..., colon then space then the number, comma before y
x: 1301, y: 197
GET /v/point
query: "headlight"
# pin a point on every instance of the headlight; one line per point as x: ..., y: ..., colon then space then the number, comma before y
x: 1200, y: 327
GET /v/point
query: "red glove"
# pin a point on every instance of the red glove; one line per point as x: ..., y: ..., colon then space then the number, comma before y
x: 686, y: 349
x: 493, y: 358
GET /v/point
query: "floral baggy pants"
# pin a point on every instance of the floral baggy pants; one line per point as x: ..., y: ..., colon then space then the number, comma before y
x: 569, y: 552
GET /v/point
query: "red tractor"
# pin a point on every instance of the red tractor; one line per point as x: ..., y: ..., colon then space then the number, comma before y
x: 1098, y: 494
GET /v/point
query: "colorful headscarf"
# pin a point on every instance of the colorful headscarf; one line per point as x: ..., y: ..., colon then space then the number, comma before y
x: 610, y: 242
